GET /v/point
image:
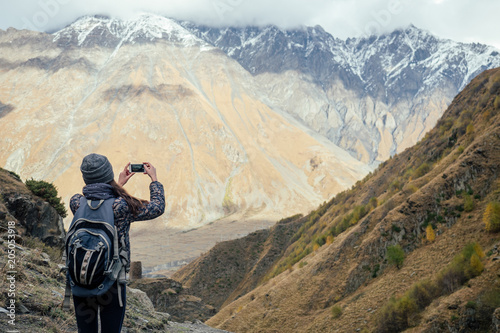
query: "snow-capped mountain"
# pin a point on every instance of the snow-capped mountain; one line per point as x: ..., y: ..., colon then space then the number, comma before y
x: 367, y: 63
x: 148, y: 89
x: 397, y: 85
x: 372, y: 96
x: 105, y: 31
x: 251, y: 123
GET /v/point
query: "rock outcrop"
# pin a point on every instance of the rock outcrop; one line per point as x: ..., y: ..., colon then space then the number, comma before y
x: 38, y: 217
x: 170, y: 296
x: 34, y: 216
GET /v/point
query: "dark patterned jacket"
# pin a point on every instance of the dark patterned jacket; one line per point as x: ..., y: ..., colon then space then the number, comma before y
x: 123, y: 216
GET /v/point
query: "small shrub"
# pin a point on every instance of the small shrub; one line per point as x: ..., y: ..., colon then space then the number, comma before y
x: 483, y: 101
x: 329, y: 239
x: 336, y: 311
x: 422, y: 170
x: 395, y: 255
x: 410, y: 189
x: 358, y: 213
x: 398, y: 314
x: 470, y: 129
x: 461, y: 269
x: 395, y: 316
x: 471, y: 305
x: 48, y: 192
x: 468, y: 203
x: 496, y: 103
x: 491, y: 217
x: 444, y: 126
x: 395, y: 186
x: 430, y: 235
x: 491, y: 298
x: 479, y: 251
x: 476, y: 266
x: 423, y: 293
x: 15, y: 175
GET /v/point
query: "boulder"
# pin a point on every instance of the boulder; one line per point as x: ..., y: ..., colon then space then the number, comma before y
x: 38, y: 218
x: 141, y: 298
x: 495, y: 325
x: 168, y: 295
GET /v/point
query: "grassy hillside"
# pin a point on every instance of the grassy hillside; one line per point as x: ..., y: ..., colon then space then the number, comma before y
x: 355, y: 261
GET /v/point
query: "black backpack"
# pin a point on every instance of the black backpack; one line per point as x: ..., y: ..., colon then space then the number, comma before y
x: 93, y: 256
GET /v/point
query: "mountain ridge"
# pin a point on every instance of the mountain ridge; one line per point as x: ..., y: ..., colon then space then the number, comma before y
x: 398, y: 83
x: 195, y: 113
x: 231, y: 145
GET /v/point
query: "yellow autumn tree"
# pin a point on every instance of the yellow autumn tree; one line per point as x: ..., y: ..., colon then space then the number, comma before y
x: 329, y: 239
x: 491, y: 216
x: 430, y: 234
x: 476, y: 265
x: 479, y: 251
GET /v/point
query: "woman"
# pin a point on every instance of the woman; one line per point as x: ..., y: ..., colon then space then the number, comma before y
x: 98, y: 175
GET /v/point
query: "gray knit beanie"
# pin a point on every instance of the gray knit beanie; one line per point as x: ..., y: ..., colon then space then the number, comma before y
x: 96, y: 169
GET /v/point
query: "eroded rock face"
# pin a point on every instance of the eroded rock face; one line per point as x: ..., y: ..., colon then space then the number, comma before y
x: 38, y: 218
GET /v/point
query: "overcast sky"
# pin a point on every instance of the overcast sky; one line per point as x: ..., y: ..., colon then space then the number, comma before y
x: 460, y: 20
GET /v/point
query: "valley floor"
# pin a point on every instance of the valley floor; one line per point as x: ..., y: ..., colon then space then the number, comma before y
x: 164, y: 252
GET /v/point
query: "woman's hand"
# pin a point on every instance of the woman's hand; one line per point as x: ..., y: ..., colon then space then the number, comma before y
x: 150, y: 170
x: 124, y: 176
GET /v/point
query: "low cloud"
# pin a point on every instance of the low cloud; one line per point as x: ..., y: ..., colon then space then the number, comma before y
x: 461, y: 20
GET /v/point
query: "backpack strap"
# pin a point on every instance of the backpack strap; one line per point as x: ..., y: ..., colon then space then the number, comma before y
x: 67, y: 291
x: 67, y: 296
x: 89, y: 203
x: 119, y: 285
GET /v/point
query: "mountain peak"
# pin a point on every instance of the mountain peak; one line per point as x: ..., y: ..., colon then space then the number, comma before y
x: 107, y: 31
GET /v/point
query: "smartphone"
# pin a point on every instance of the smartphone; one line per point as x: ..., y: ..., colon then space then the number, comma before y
x: 136, y: 168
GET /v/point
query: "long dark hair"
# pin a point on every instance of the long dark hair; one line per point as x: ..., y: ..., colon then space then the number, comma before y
x: 134, y: 203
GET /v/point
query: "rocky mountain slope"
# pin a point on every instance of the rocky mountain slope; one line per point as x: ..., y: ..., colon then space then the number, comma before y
x: 148, y: 89
x: 406, y: 248
x: 36, y: 285
x: 372, y: 96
